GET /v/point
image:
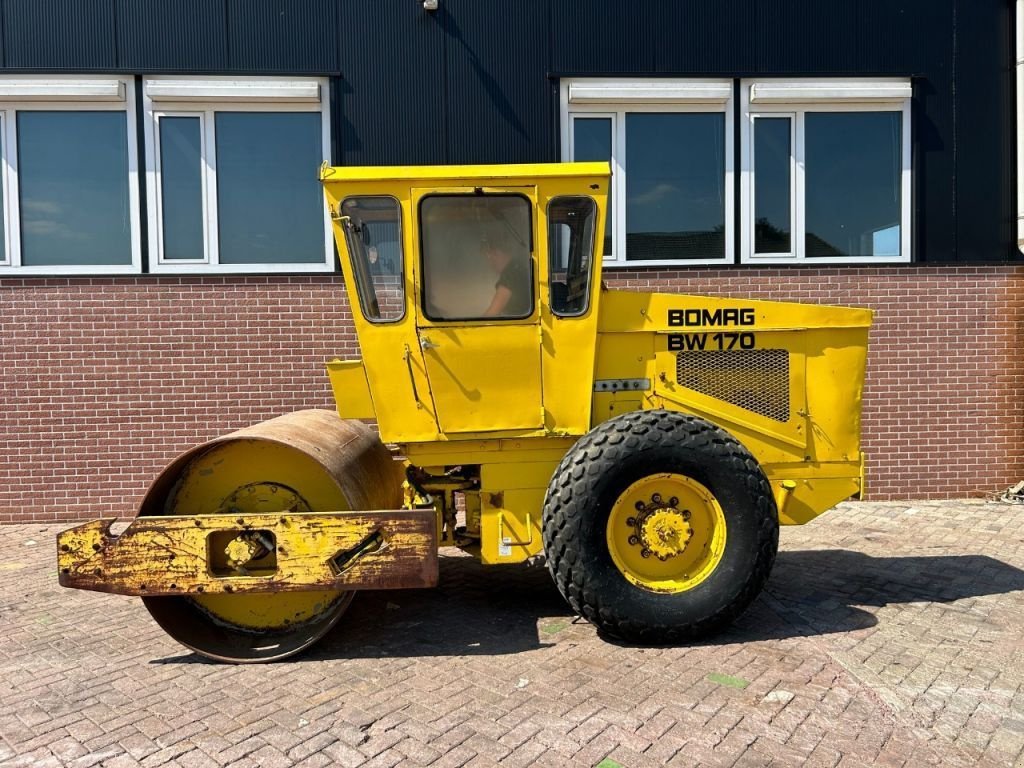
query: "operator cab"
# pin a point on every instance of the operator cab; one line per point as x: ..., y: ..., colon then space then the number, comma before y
x: 487, y: 276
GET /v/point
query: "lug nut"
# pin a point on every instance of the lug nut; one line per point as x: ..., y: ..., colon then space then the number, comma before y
x: 634, y: 540
x: 639, y: 506
x: 645, y: 553
x: 630, y: 521
x: 673, y: 502
x: 656, y: 498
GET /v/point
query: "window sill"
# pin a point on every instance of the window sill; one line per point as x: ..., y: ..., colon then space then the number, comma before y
x: 58, y: 270
x: 241, y: 269
x: 857, y: 261
x: 679, y: 263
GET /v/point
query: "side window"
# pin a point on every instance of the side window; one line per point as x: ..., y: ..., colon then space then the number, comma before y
x: 373, y: 234
x: 69, y: 182
x: 212, y: 206
x: 670, y: 145
x: 571, y: 253
x: 826, y: 172
x: 477, y: 260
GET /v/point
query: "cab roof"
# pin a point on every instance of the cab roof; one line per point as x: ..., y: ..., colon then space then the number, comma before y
x: 447, y: 172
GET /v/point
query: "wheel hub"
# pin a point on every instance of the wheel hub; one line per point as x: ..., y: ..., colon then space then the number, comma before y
x: 661, y: 528
x: 665, y: 533
x: 259, y: 498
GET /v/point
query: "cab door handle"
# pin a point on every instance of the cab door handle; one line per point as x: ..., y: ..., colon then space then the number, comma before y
x: 426, y: 344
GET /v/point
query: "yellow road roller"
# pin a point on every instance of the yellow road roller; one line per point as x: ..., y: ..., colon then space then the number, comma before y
x: 649, y: 445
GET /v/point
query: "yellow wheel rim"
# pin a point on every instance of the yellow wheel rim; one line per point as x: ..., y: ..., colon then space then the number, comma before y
x: 666, y: 533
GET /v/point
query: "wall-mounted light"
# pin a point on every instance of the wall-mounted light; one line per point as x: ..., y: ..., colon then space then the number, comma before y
x: 430, y: 5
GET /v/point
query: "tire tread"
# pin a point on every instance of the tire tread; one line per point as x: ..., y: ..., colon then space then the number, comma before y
x: 570, y: 496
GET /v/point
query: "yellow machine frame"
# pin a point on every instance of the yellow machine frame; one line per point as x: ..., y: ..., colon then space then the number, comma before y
x: 650, y: 443
x: 622, y: 355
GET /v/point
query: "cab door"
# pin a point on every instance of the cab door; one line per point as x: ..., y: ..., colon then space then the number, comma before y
x: 479, y: 319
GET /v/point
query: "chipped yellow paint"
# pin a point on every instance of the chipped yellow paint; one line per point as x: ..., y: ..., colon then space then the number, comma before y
x: 174, y: 555
x: 496, y: 404
x: 506, y: 398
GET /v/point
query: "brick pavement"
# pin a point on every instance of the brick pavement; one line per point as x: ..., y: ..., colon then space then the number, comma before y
x: 889, y: 634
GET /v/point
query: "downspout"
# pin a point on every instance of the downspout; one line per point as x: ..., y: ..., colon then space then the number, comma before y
x: 1020, y: 123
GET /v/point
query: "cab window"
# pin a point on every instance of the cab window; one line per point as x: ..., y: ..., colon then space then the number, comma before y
x: 373, y: 234
x: 477, y: 262
x: 571, y: 223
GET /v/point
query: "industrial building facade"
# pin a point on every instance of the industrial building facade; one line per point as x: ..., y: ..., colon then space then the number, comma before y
x: 168, y: 272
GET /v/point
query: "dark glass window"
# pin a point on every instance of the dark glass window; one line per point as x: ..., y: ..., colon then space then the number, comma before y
x: 270, y: 207
x: 853, y: 163
x: 772, y: 185
x: 373, y: 235
x: 181, y: 187
x: 477, y: 261
x: 73, y: 185
x: 571, y: 253
x: 675, y: 186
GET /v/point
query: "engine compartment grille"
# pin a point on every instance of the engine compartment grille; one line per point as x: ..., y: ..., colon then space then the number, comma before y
x: 756, y: 380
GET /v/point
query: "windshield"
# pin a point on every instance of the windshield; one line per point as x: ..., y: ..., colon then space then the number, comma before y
x: 477, y: 260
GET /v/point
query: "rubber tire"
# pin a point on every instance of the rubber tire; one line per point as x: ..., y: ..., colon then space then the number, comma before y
x: 595, y: 472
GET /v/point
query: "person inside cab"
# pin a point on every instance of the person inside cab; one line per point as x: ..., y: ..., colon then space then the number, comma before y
x: 510, y: 260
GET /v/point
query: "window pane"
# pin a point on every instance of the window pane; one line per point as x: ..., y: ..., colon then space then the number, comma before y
x: 772, y: 185
x: 73, y: 181
x: 181, y: 187
x: 373, y: 234
x: 675, y: 186
x: 476, y: 257
x: 270, y: 207
x: 570, y: 253
x: 592, y: 141
x: 853, y: 165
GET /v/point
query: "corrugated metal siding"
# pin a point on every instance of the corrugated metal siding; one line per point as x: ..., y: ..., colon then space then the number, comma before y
x: 601, y: 36
x: 926, y: 52
x: 282, y: 35
x: 477, y: 81
x: 392, y: 105
x: 934, y: 171
x: 59, y: 34
x: 985, y: 140
x: 704, y: 36
x: 807, y: 36
x: 901, y: 36
x: 172, y: 35
x: 498, y: 110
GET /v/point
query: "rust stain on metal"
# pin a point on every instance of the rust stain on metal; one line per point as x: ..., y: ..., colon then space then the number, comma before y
x: 173, y: 556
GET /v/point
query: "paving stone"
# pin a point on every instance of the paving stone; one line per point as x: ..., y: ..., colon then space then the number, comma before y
x: 888, y: 634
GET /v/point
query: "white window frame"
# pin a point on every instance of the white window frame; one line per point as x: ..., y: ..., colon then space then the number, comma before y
x: 203, y: 97
x: 67, y: 93
x: 777, y: 97
x: 795, y: 214
x: 613, y: 188
x: 615, y: 98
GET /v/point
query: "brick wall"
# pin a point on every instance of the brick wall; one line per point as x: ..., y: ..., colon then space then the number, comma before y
x: 107, y: 379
